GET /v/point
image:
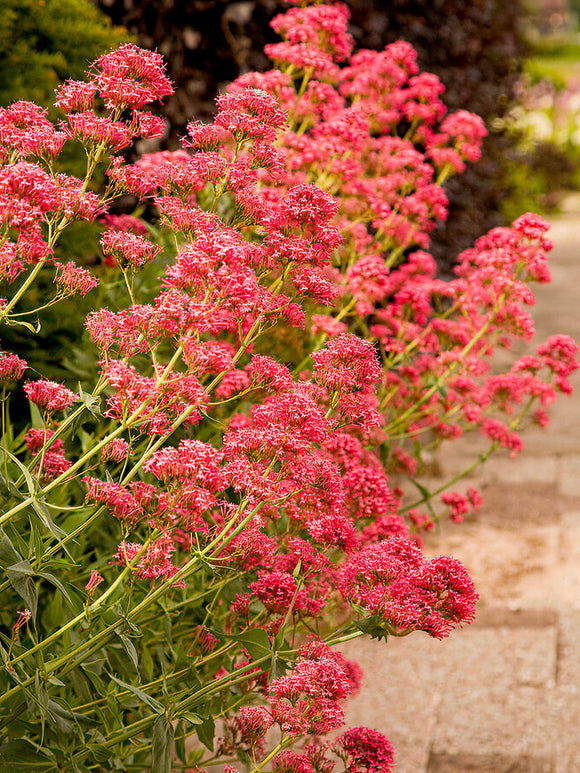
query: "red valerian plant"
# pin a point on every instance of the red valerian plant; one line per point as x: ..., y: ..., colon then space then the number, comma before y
x: 187, y: 534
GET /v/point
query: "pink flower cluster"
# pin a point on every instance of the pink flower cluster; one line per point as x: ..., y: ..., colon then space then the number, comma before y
x: 12, y: 367
x: 50, y: 395
x: 306, y: 702
x: 298, y: 353
x: 393, y: 581
x: 35, y: 201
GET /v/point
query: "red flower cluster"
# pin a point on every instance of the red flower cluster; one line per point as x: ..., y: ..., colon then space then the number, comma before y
x: 391, y: 580
x: 50, y: 395
x: 307, y: 701
x: 298, y: 352
x: 11, y: 367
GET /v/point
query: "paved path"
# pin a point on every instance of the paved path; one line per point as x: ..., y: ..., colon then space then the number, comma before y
x: 501, y: 695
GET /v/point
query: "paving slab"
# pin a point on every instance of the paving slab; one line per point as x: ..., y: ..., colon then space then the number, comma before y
x: 568, y: 664
x: 565, y: 717
x: 513, y: 657
x: 503, y: 561
x: 402, y: 687
x: 526, y: 470
x: 513, y: 722
x: 569, y: 483
x: 489, y: 763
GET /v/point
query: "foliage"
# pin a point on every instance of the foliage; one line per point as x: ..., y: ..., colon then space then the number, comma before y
x: 185, y: 538
x: 43, y: 42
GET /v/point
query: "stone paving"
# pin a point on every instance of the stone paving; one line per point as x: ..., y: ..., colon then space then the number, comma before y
x: 501, y: 695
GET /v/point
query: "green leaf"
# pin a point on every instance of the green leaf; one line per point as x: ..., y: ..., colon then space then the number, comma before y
x: 179, y: 741
x: 22, y: 567
x: 91, y: 402
x: 297, y: 569
x: 100, y: 753
x: 36, y: 541
x: 19, y: 576
x: 129, y: 647
x: 157, y: 707
x: 42, y: 512
x: 21, y: 323
x: 374, y: 626
x: 21, y: 755
x: 192, y: 718
x: 8, y: 553
x: 57, y: 583
x: 36, y: 417
x: 95, y: 680
x: 206, y: 732
x: 256, y: 642
x: 30, y: 482
x: 8, y: 487
x: 162, y: 750
x: 278, y: 667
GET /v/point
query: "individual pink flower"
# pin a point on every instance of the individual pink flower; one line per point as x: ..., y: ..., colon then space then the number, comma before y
x: 205, y: 640
x: 21, y: 621
x: 94, y: 580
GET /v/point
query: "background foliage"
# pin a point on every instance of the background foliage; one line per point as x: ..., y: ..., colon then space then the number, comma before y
x: 44, y: 42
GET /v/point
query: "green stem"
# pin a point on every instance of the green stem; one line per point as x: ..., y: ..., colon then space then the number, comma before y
x: 282, y: 745
x: 87, y: 611
x: 449, y: 370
